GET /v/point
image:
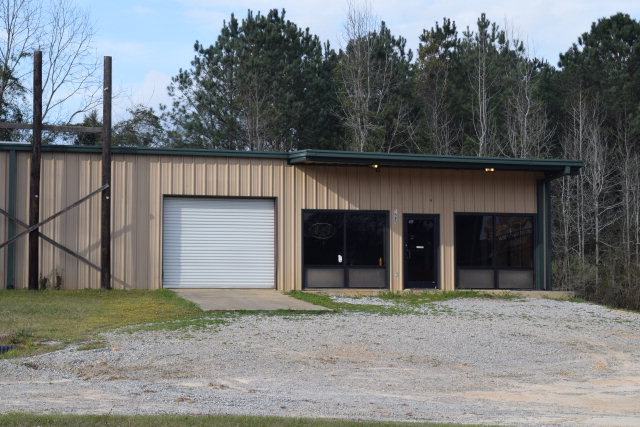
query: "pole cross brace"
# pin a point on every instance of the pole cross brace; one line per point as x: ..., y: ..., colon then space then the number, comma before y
x: 50, y: 240
x: 54, y: 216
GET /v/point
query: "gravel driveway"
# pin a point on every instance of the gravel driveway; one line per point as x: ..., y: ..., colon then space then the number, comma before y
x: 522, y: 362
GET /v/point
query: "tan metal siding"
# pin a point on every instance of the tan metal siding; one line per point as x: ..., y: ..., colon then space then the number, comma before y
x: 440, y: 192
x: 139, y: 183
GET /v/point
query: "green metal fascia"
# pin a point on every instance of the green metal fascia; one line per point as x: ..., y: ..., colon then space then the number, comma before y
x: 149, y: 151
x: 420, y: 160
x: 344, y: 158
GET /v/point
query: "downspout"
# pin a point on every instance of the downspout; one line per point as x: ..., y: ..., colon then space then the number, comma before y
x: 11, y: 229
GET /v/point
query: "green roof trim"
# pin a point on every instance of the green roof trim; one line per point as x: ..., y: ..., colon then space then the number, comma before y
x: 148, y: 151
x: 551, y: 167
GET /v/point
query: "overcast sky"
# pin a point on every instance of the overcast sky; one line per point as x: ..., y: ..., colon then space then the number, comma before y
x: 150, y: 40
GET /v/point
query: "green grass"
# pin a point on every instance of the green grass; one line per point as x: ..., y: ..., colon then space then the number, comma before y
x: 19, y: 420
x: 417, y: 298
x: 325, y: 301
x: 38, y: 321
x: 404, y: 303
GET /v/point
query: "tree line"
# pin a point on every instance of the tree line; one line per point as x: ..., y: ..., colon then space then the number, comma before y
x: 266, y: 84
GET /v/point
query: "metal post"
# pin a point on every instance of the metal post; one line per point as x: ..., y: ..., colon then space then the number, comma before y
x: 34, y: 186
x: 105, y: 235
x: 548, y: 238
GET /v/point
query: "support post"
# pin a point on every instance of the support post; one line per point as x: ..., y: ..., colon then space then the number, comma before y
x: 549, y: 226
x: 34, y: 184
x: 540, y: 250
x: 12, y: 180
x: 105, y: 229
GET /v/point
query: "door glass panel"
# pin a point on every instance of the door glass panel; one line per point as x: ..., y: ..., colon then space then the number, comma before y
x: 494, y: 251
x: 514, y: 241
x: 365, y: 239
x: 344, y: 249
x: 323, y: 238
x: 420, y: 251
x: 474, y: 240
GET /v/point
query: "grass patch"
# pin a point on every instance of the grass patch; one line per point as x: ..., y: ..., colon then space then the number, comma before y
x: 417, y: 298
x: 325, y: 301
x: 19, y: 420
x: 39, y: 321
x: 403, y: 303
x: 198, y: 323
x: 92, y: 345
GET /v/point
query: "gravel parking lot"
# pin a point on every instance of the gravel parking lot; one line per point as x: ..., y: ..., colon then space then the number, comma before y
x: 521, y: 362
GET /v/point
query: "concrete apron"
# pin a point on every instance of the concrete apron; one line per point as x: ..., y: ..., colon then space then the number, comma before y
x: 245, y: 299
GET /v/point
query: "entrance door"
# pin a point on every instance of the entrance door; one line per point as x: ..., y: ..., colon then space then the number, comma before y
x: 420, y: 251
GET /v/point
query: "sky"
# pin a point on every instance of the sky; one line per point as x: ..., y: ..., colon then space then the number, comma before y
x: 151, y: 40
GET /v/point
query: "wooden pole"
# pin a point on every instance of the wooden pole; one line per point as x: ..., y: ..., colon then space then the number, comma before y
x: 105, y: 229
x: 34, y: 184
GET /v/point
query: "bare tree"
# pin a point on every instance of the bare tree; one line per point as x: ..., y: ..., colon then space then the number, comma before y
x: 64, y: 33
x: 599, y: 175
x: 628, y: 163
x: 371, y: 72
x: 20, y: 24
x: 432, y: 82
x: 69, y: 62
x: 358, y: 96
x: 484, y: 76
x: 589, y: 204
x: 529, y: 133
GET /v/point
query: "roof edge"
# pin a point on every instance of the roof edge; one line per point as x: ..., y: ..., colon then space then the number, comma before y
x: 552, y: 167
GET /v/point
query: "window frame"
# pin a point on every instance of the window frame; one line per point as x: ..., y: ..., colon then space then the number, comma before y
x: 495, y: 268
x: 345, y: 267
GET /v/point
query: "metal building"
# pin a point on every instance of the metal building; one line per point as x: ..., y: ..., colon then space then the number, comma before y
x: 300, y: 220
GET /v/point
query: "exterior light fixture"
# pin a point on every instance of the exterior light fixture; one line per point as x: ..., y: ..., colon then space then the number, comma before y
x: 375, y: 166
x: 489, y: 169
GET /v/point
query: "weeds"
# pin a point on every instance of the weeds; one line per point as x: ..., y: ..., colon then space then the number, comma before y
x: 403, y: 303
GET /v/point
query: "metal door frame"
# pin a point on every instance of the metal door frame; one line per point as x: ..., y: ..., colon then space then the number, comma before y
x: 436, y: 249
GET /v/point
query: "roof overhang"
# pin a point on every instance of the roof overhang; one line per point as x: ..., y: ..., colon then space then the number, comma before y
x: 550, y: 167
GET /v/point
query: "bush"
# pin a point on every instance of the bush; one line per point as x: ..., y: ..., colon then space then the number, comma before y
x: 615, y: 282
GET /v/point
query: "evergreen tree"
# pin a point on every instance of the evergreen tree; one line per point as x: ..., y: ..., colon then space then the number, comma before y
x: 91, y: 120
x: 606, y: 63
x: 262, y: 86
x: 142, y: 129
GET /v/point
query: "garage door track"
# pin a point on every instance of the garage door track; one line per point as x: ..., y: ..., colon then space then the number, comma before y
x: 245, y: 299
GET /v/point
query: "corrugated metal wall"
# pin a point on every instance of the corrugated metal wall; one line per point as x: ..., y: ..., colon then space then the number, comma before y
x: 140, y: 181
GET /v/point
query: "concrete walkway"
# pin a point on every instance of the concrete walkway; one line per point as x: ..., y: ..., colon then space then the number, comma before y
x: 245, y: 299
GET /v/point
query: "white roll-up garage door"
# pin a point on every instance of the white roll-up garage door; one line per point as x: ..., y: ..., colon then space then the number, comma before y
x: 218, y: 243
